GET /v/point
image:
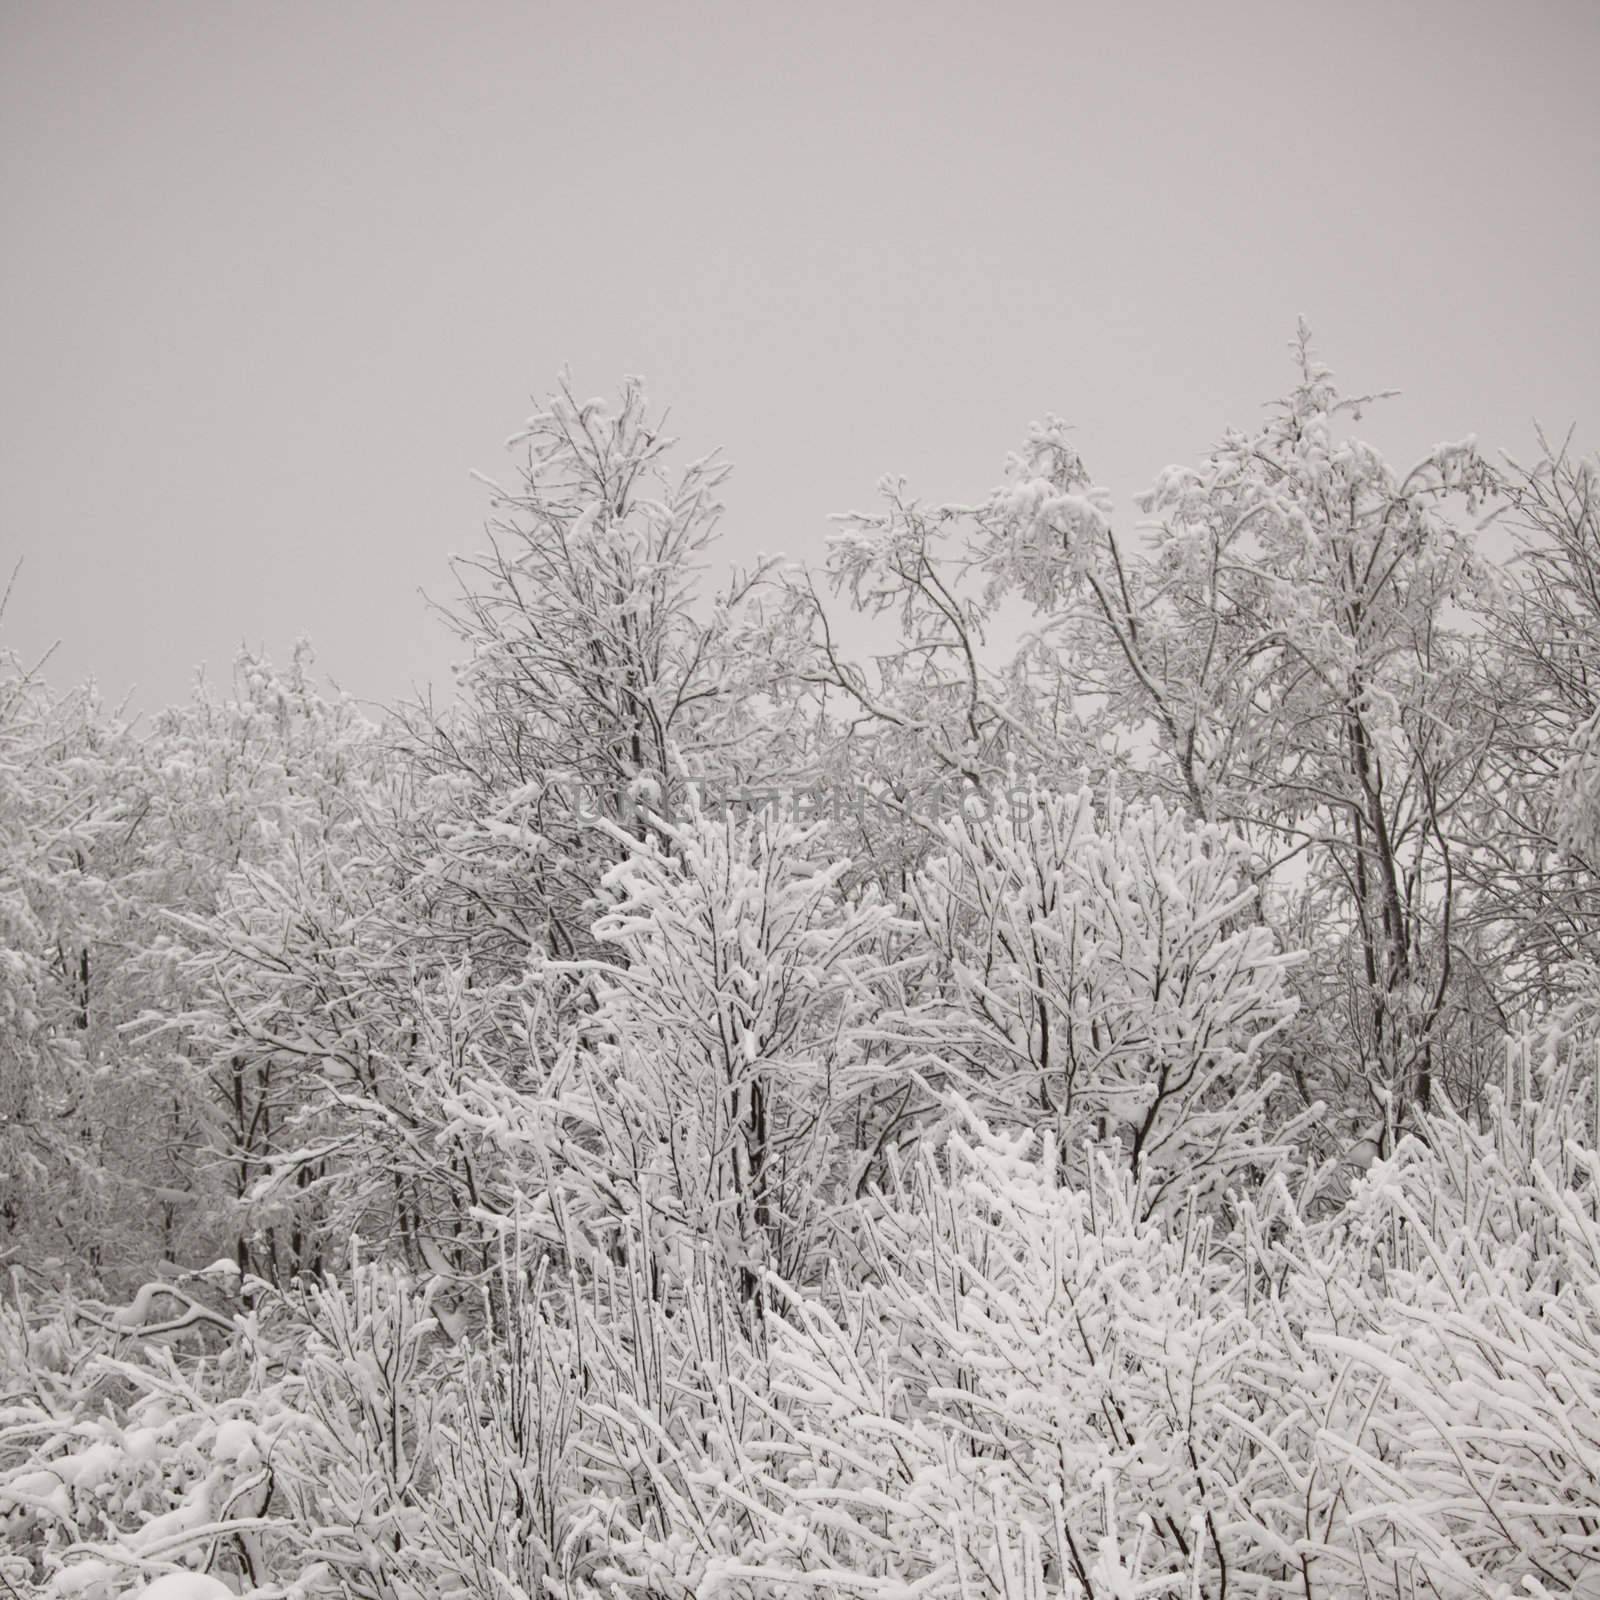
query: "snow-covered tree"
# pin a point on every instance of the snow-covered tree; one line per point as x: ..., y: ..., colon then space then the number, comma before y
x: 941, y: 704
x: 727, y: 1055
x: 1105, y: 978
x: 54, y: 910
x: 712, y: 1115
x: 1531, y: 871
x: 1293, y: 642
x: 1019, y: 1365
x: 596, y: 664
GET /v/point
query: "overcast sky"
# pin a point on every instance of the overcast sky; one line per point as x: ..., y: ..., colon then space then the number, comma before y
x: 277, y: 277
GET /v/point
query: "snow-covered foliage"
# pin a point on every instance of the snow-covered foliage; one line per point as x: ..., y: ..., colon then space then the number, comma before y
x: 1135, y: 1132
x: 727, y: 1053
x: 1017, y: 1381
x: 113, y: 845
x: 1108, y: 980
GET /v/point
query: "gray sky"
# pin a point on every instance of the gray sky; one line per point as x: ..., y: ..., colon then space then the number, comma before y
x: 276, y: 277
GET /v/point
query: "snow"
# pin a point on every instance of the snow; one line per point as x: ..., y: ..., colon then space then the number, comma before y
x: 235, y: 1441
x: 184, y: 1586
x: 80, y: 1576
x: 37, y: 1490
x: 91, y: 1467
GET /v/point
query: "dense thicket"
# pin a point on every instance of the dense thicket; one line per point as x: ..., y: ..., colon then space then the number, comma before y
x: 1097, y: 1098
